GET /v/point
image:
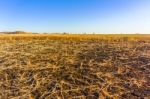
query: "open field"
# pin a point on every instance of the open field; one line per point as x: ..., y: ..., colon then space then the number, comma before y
x: 42, y: 66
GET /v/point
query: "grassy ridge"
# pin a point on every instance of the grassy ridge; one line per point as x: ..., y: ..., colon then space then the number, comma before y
x: 98, y: 37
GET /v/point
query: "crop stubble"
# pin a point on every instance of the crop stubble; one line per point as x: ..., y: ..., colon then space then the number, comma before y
x: 66, y: 68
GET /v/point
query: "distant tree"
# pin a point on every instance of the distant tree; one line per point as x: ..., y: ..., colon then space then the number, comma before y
x: 65, y: 33
x: 19, y: 32
x: 45, y: 33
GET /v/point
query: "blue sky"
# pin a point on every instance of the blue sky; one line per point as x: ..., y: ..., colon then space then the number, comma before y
x: 76, y: 16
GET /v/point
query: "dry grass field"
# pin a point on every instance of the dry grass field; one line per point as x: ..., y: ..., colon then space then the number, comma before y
x: 57, y: 66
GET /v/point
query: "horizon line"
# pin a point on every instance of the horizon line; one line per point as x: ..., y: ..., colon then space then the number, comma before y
x: 70, y: 32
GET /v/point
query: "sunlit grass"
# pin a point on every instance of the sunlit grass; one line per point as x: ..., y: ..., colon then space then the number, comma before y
x: 66, y: 66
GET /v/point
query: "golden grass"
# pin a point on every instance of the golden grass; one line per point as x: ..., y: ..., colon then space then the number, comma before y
x: 71, y: 66
x: 98, y: 37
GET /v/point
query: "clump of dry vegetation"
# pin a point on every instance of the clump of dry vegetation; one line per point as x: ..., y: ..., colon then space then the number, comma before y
x: 42, y: 66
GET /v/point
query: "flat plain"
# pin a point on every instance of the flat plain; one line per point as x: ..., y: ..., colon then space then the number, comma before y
x: 69, y: 66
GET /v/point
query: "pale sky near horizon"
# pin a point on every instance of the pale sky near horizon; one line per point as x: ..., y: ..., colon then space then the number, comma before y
x: 75, y: 16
